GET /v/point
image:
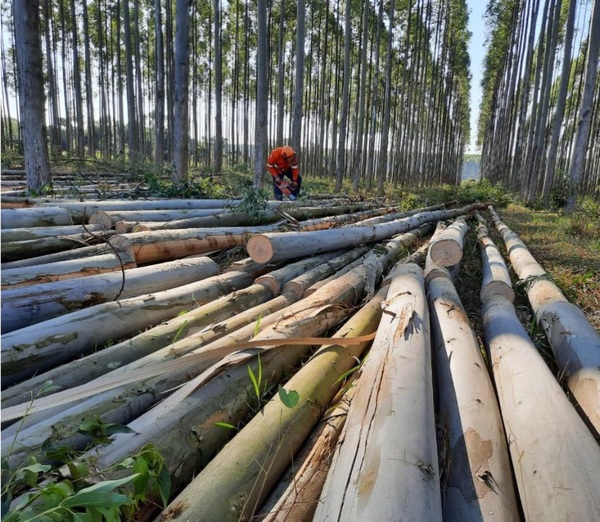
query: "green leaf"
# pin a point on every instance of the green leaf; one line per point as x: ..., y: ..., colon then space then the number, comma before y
x: 126, y: 463
x: 164, y: 485
x: 107, y: 485
x: 225, y: 425
x: 98, y: 499
x: 289, y: 398
x: 254, y: 382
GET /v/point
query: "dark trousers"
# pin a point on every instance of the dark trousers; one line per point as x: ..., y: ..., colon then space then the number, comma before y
x: 294, y: 190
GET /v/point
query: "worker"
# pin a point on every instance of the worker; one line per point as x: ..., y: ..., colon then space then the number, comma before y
x: 282, y: 162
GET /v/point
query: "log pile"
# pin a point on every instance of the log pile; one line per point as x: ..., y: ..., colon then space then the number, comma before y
x: 332, y: 373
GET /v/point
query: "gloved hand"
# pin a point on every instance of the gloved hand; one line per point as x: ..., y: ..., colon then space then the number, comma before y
x: 294, y: 184
x: 278, y: 180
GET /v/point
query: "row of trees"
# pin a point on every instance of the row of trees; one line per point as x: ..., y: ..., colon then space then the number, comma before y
x: 368, y: 90
x: 540, y: 112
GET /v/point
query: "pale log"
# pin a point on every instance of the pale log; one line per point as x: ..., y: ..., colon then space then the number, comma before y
x: 46, y: 345
x: 35, y: 217
x: 300, y: 284
x: 276, y: 279
x: 63, y: 270
x: 113, y: 243
x: 574, y: 341
x: 446, y: 249
x: 33, y: 248
x: 23, y: 307
x: 23, y: 234
x: 391, y: 420
x: 109, y: 217
x: 495, y: 279
x: 265, y: 248
x: 478, y: 483
x: 210, y: 320
x: 554, y: 455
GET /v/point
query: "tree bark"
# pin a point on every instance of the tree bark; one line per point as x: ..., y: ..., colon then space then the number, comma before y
x: 557, y: 479
x: 35, y: 217
x: 394, y: 400
x: 181, y: 102
x: 265, y: 248
x: 66, y: 337
x: 36, y: 303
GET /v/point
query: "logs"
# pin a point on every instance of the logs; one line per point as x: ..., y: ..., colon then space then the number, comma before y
x: 35, y: 217
x: 41, y: 347
x: 446, y: 246
x: 574, y: 341
x: 473, y: 445
x: 554, y: 455
x: 22, y: 307
x: 386, y: 468
x: 265, y: 248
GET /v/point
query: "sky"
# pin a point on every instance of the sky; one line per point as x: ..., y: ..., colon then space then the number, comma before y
x: 477, y: 53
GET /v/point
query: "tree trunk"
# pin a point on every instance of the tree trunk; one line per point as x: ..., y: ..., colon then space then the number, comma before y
x: 260, y: 131
x: 181, y: 101
x: 35, y: 217
x: 66, y: 337
x: 299, y: 84
x: 218, y: 89
x: 31, y: 305
x: 159, y: 108
x: 31, y: 94
x: 585, y: 114
x: 341, y: 151
x: 557, y: 479
x: 574, y: 341
x: 394, y: 399
x: 25, y: 233
x: 446, y: 248
x: 266, y: 248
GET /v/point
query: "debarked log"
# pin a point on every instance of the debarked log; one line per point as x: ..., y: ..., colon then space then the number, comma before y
x: 574, y: 341
x: 46, y: 345
x: 478, y: 483
x: 33, y: 304
x: 391, y: 420
x: 557, y: 479
x: 35, y: 217
x: 270, y: 247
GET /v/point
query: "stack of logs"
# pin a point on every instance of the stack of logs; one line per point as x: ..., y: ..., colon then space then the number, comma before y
x: 120, y: 306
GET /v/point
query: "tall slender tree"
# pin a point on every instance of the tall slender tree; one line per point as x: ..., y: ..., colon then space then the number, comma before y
x: 26, y: 15
x: 181, y: 134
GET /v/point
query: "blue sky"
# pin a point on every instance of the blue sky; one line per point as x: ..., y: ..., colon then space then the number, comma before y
x: 477, y: 53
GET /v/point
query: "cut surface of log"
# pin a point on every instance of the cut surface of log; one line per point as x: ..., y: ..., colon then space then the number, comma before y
x: 446, y: 247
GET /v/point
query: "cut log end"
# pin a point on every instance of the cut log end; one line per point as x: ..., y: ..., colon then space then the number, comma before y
x: 495, y: 288
x: 260, y: 249
x: 270, y: 282
x: 446, y: 252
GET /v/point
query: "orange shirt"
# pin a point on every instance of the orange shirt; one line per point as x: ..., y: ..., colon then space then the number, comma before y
x: 277, y: 163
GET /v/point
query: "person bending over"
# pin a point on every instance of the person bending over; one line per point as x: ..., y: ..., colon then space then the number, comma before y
x: 282, y: 163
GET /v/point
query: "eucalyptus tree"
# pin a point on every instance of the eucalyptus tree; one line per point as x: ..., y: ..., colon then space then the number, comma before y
x: 159, y: 90
x: 260, y: 134
x: 218, y: 89
x: 341, y: 152
x: 560, y: 103
x: 583, y: 126
x: 181, y: 130
x: 26, y: 15
x: 299, y: 84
